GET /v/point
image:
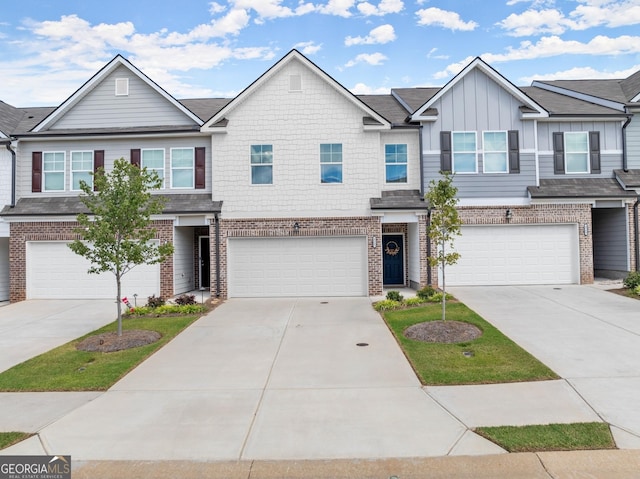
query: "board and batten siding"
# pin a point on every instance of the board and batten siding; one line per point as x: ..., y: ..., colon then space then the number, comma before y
x: 113, y: 149
x: 183, y: 260
x: 101, y: 108
x: 610, y: 248
x: 608, y: 163
x: 633, y: 142
x: 610, y: 134
x: 295, y: 123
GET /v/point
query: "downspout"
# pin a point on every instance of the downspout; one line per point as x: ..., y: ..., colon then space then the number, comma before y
x: 625, y: 167
x: 13, y: 173
x: 217, y: 231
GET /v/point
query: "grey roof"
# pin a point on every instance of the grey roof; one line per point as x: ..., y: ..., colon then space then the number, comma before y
x: 558, y: 104
x: 387, y: 106
x: 629, y: 178
x: 205, y: 108
x: 399, y: 200
x: 72, y: 206
x: 414, y: 98
x: 631, y: 85
x: 579, y: 188
x: 9, y: 118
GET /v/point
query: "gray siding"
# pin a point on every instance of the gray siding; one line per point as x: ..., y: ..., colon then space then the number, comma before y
x: 101, y: 108
x: 610, y: 133
x: 633, y: 142
x: 610, y: 246
x: 113, y: 149
x: 183, y: 259
x: 487, y: 185
x: 608, y: 163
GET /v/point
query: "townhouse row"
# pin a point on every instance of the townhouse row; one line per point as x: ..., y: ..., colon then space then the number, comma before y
x: 296, y: 187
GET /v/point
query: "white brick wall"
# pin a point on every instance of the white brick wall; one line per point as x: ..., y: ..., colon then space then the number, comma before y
x: 296, y: 123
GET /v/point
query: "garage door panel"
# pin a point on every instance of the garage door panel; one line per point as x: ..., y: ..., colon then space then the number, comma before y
x: 297, y: 266
x: 516, y: 254
x: 56, y: 272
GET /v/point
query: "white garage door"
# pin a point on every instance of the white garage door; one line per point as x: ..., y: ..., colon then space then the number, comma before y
x: 56, y: 272
x: 259, y: 267
x: 516, y: 254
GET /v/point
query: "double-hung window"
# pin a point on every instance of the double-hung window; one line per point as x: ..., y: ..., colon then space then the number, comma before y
x: 182, y: 167
x: 395, y: 163
x: 81, y: 169
x: 576, y: 150
x: 53, y: 170
x: 331, y: 163
x: 495, y: 152
x: 153, y: 160
x: 464, y: 152
x: 261, y: 164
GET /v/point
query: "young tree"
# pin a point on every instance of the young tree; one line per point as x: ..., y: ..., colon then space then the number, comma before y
x: 444, y: 226
x: 116, y: 235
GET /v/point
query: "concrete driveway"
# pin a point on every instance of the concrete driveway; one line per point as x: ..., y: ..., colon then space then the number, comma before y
x: 29, y: 328
x: 267, y: 379
x: 589, y: 336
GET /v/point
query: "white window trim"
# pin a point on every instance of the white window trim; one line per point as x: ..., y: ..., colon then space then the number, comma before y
x: 72, y: 171
x: 506, y: 153
x: 330, y: 163
x: 406, y: 164
x: 193, y: 169
x: 164, y: 161
x: 566, y: 152
x: 251, y: 165
x: 64, y: 171
x: 453, y: 154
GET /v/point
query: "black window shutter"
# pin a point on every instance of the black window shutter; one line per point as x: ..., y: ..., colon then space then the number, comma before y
x: 36, y: 172
x: 514, y: 151
x: 594, y: 151
x: 200, y: 178
x: 135, y: 157
x: 98, y: 162
x: 558, y: 153
x: 445, y: 151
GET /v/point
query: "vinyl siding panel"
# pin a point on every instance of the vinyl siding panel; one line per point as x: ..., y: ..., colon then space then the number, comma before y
x: 610, y: 248
x: 113, y: 149
x: 608, y: 163
x: 101, y: 108
x: 183, y: 260
x: 610, y: 134
x: 633, y: 142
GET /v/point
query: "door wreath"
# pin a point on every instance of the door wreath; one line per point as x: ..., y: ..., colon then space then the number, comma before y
x: 392, y: 248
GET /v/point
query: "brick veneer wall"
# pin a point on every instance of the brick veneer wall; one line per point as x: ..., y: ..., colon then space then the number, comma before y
x: 283, y: 227
x: 540, y: 214
x: 633, y: 237
x: 20, y: 233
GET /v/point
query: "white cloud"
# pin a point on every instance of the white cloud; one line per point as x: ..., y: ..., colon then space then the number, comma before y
x: 444, y: 18
x: 374, y: 59
x: 384, y: 7
x: 215, y: 8
x: 308, y: 48
x: 339, y: 8
x: 580, y: 73
x: 534, y: 22
x: 432, y: 54
x: 362, y: 89
x: 379, y: 35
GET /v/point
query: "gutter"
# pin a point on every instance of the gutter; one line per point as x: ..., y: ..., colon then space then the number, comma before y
x: 7, y: 143
x: 217, y: 231
x: 625, y: 166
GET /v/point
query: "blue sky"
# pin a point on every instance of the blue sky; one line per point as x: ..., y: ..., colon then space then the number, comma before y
x: 199, y: 48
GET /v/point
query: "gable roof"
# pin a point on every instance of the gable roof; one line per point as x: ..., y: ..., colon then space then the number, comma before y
x: 374, y: 118
x: 117, y: 62
x: 531, y: 110
x: 558, y: 104
x: 9, y: 119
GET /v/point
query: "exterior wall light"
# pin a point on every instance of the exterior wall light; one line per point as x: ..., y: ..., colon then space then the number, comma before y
x: 374, y: 241
x: 585, y: 229
x: 296, y: 227
x: 508, y: 215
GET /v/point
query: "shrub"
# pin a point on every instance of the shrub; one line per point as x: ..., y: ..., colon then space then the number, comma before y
x: 632, y: 281
x: 167, y: 309
x: 395, y: 296
x: 386, y: 305
x: 139, y: 311
x: 426, y: 292
x: 414, y: 301
x: 636, y: 290
x: 185, y: 299
x: 437, y: 297
x: 154, y: 301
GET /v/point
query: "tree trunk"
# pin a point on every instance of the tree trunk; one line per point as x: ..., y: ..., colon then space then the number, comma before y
x: 119, y: 302
x: 444, y: 292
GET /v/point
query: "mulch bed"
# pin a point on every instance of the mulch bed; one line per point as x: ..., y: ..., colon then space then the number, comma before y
x: 443, y: 332
x: 110, y: 342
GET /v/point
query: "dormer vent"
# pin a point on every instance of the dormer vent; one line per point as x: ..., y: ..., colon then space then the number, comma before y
x: 295, y: 82
x: 122, y: 86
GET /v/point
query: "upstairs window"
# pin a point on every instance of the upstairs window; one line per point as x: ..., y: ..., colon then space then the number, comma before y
x: 576, y: 152
x: 81, y: 169
x: 53, y: 170
x: 182, y: 167
x: 331, y: 163
x: 395, y: 163
x: 576, y: 148
x: 261, y: 164
x: 153, y: 160
x: 464, y: 152
x: 495, y: 152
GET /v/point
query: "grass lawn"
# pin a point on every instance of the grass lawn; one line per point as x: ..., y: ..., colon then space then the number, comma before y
x: 67, y: 369
x: 495, y: 358
x: 550, y: 437
x: 10, y: 438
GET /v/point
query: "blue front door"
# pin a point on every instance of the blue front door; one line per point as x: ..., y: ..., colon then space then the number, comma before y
x: 393, y: 259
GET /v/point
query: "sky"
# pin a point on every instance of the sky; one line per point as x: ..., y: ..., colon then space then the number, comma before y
x: 207, y: 49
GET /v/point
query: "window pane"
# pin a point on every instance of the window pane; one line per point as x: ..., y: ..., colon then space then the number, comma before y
x: 576, y: 142
x: 182, y: 158
x: 261, y: 175
x: 577, y: 163
x: 153, y: 159
x: 82, y: 161
x: 182, y: 178
x: 53, y: 161
x: 577, y: 152
x: 495, y: 162
x: 261, y: 154
x: 464, y: 162
x: 86, y: 177
x: 54, y: 181
x: 396, y: 173
x: 464, y: 141
x: 331, y: 153
x: 331, y: 173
